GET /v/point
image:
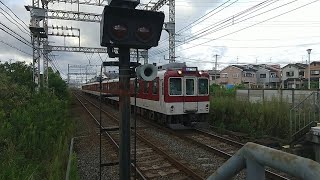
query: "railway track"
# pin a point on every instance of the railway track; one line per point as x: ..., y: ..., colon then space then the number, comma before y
x: 153, y: 162
x: 216, y: 144
x: 223, y: 146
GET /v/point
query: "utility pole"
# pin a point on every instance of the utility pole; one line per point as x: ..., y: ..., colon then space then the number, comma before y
x: 124, y: 107
x: 68, y: 78
x: 122, y: 17
x: 215, y: 68
x: 309, y: 52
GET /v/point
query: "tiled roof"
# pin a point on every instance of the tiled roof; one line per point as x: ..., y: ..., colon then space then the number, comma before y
x: 245, y: 68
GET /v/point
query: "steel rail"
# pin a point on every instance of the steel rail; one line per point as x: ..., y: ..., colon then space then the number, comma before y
x: 223, y: 154
x: 115, y: 144
x: 179, y: 165
x: 210, y: 148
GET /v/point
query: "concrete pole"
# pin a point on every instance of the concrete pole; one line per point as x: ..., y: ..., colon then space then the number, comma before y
x: 215, y: 68
x: 309, y: 52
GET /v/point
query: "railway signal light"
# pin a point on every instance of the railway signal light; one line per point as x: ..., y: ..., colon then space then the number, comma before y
x: 131, y: 28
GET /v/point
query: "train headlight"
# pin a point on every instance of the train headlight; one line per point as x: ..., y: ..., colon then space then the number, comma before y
x: 171, y: 108
x: 207, y: 107
x: 179, y: 72
x: 200, y: 72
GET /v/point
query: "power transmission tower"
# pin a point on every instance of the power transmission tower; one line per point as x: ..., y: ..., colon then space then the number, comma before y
x: 37, y: 35
x: 169, y: 26
x: 40, y: 33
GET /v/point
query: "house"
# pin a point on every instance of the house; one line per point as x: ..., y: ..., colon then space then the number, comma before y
x: 213, y: 75
x: 314, y: 71
x: 268, y: 76
x: 293, y: 75
x: 238, y: 74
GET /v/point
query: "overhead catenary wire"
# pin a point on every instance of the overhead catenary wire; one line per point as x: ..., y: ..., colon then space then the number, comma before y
x: 14, y: 32
x: 22, y: 30
x: 14, y: 47
x: 254, y: 24
x: 231, y: 18
x: 15, y: 37
x: 13, y: 13
x: 243, y: 28
x: 203, y: 17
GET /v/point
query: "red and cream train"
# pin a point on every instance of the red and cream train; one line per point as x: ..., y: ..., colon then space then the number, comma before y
x: 177, y: 97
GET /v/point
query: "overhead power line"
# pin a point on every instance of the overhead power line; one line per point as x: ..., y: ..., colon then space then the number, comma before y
x: 13, y: 13
x: 210, y: 40
x: 23, y: 41
x: 15, y: 23
x: 14, y: 47
x: 253, y: 25
x: 232, y: 22
x: 203, y: 18
x: 230, y: 19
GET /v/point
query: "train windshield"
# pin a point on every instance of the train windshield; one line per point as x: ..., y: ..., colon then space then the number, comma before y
x: 189, y: 86
x: 175, y: 86
x: 203, y: 86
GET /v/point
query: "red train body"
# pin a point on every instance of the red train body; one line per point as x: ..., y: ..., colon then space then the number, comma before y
x: 177, y: 97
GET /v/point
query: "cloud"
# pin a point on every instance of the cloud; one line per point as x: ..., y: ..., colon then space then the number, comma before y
x: 290, y: 35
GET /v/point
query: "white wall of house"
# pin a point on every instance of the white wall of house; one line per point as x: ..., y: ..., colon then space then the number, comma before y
x: 289, y: 71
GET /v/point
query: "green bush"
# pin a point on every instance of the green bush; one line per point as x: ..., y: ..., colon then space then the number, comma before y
x: 34, y: 129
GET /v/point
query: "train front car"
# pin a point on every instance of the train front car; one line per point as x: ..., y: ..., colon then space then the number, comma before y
x: 186, y: 97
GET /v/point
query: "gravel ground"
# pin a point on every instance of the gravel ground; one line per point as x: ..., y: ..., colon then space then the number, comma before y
x: 86, y: 146
x: 196, y: 157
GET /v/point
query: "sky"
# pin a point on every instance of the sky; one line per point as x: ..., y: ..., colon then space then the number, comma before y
x: 278, y: 32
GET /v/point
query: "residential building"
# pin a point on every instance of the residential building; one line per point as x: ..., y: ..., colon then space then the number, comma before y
x: 268, y: 76
x: 213, y: 75
x: 238, y: 74
x: 293, y: 76
x: 314, y: 71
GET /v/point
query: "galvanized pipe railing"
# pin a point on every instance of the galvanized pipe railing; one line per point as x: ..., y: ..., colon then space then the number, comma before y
x: 307, y: 114
x: 255, y: 157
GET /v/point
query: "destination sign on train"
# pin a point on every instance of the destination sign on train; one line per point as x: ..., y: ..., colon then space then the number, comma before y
x: 191, y: 69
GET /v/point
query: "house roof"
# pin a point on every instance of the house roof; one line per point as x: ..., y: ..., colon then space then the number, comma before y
x: 297, y: 65
x: 213, y: 71
x: 246, y: 67
x: 315, y: 62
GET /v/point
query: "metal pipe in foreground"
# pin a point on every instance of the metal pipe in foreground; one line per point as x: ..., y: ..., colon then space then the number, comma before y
x: 254, y: 157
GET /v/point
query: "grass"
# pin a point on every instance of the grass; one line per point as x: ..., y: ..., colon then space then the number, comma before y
x: 74, y: 175
x: 256, y: 119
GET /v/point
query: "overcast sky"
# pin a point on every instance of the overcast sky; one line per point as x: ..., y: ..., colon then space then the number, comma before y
x: 283, y: 39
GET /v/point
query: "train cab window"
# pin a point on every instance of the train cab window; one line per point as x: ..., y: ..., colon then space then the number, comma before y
x: 203, y: 86
x: 155, y: 86
x: 189, y: 87
x: 175, y: 86
x: 146, y: 87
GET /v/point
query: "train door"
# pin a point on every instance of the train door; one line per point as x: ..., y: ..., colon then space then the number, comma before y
x: 190, y: 103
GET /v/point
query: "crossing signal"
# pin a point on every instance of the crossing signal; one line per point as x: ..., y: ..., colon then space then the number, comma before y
x: 132, y: 28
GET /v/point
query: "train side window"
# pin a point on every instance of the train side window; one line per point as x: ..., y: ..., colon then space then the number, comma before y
x: 203, y: 86
x: 146, y: 87
x: 138, y: 85
x: 190, y: 87
x: 175, y: 86
x: 155, y: 86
